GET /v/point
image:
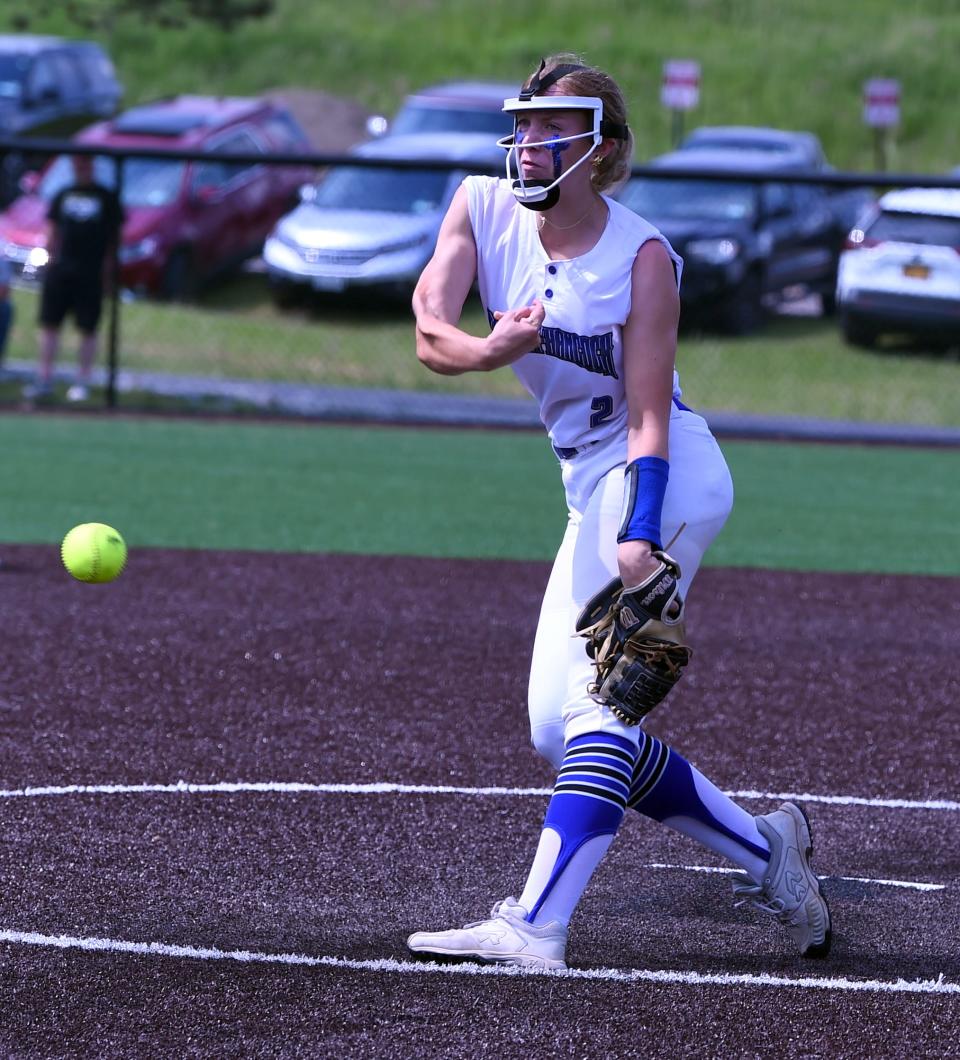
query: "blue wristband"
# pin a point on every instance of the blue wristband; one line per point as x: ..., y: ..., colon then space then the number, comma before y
x: 644, y: 486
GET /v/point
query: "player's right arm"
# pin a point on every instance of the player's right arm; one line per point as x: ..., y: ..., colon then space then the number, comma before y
x: 439, y: 298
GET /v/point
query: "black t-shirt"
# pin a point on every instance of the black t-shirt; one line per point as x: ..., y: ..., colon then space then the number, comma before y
x: 88, y: 218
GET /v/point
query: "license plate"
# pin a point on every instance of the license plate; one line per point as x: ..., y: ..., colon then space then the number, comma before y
x: 329, y: 283
x: 918, y: 272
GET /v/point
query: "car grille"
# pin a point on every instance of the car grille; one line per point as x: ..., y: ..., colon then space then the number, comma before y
x: 314, y: 256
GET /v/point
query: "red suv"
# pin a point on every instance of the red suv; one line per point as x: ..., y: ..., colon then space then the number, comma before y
x: 185, y: 221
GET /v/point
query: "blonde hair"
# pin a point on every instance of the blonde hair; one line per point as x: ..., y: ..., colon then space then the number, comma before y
x: 614, y: 168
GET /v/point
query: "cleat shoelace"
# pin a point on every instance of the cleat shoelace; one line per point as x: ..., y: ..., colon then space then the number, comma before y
x: 752, y: 894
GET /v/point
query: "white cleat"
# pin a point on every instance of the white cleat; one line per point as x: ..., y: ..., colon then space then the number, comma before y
x: 506, y: 938
x: 790, y: 890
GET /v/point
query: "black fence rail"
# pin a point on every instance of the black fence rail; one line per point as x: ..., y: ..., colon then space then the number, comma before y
x: 282, y: 377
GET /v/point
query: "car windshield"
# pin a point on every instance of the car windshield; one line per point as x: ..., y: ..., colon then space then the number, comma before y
x: 925, y: 228
x: 420, y: 119
x: 678, y: 200
x: 146, y: 181
x: 13, y: 69
x: 386, y: 189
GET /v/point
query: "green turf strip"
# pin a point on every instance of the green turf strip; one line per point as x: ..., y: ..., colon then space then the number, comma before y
x: 293, y: 487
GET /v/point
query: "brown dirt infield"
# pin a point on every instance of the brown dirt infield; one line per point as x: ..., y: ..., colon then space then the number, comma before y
x: 341, y: 670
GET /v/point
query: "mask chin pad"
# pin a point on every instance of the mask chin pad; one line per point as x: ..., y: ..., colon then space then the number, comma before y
x: 546, y: 203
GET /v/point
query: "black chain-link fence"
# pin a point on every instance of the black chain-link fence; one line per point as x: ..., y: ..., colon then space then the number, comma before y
x: 242, y: 284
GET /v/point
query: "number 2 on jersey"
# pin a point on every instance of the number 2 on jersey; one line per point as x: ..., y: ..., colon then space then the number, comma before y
x: 602, y: 408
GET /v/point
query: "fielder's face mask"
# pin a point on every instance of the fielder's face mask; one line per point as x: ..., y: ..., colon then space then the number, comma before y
x: 542, y: 194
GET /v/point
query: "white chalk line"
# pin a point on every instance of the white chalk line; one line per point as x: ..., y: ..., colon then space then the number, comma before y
x: 184, y: 787
x: 912, y: 885
x: 388, y: 965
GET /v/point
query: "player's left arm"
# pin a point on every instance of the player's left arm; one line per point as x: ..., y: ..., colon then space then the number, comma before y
x: 649, y: 354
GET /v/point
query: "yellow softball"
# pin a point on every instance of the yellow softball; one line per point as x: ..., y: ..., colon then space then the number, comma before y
x: 94, y: 552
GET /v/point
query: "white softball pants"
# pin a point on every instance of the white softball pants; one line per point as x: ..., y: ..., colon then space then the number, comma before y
x: 699, y: 494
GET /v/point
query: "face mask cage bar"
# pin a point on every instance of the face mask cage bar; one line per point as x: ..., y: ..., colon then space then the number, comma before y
x: 536, y: 192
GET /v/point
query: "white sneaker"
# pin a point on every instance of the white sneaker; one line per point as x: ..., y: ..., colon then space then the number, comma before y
x: 78, y: 392
x: 790, y: 890
x: 506, y: 938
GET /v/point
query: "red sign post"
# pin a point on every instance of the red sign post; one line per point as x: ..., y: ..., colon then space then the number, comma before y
x: 881, y: 111
x: 680, y: 91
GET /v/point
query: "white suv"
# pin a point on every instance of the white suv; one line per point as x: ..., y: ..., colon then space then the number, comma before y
x: 900, y: 268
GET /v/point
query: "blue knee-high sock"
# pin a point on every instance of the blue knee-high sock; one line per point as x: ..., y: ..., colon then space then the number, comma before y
x: 584, y: 813
x: 667, y: 788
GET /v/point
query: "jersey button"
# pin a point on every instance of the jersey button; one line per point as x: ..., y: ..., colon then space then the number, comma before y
x: 548, y: 293
x: 552, y: 269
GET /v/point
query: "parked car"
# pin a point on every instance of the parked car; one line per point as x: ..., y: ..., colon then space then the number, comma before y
x: 185, y: 221
x: 900, y: 268
x: 374, y: 226
x: 744, y: 244
x: 451, y: 107
x: 804, y: 149
x: 50, y: 87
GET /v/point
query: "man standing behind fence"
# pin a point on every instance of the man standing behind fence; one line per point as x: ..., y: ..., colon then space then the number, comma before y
x: 84, y: 222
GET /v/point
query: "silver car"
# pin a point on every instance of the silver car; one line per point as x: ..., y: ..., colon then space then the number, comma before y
x: 452, y: 107
x: 374, y: 226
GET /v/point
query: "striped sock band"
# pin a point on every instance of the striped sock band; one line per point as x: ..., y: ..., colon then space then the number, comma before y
x: 651, y: 763
x: 598, y: 765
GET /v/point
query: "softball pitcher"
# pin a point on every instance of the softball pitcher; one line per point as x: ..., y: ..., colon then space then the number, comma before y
x: 582, y: 298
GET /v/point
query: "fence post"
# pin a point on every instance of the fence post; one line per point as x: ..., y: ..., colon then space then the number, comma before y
x: 114, y: 329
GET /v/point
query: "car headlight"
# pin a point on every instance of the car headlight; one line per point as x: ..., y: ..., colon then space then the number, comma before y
x: 282, y: 236
x: 38, y: 257
x: 143, y: 248
x: 713, y: 251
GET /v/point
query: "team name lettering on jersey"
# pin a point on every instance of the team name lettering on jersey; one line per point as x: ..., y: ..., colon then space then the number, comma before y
x: 594, y: 353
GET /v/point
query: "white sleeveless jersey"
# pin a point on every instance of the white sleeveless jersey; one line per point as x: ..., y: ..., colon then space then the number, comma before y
x: 576, y: 374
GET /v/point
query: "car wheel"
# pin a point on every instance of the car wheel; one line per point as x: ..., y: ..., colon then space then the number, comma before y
x: 856, y: 333
x: 743, y: 312
x: 179, y: 281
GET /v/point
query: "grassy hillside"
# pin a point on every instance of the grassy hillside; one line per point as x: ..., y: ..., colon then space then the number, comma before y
x: 791, y: 63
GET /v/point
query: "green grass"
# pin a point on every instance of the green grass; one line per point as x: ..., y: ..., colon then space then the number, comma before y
x: 796, y: 366
x: 485, y: 494
x: 793, y: 63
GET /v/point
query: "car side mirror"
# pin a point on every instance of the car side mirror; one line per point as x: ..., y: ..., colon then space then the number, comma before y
x: 50, y: 94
